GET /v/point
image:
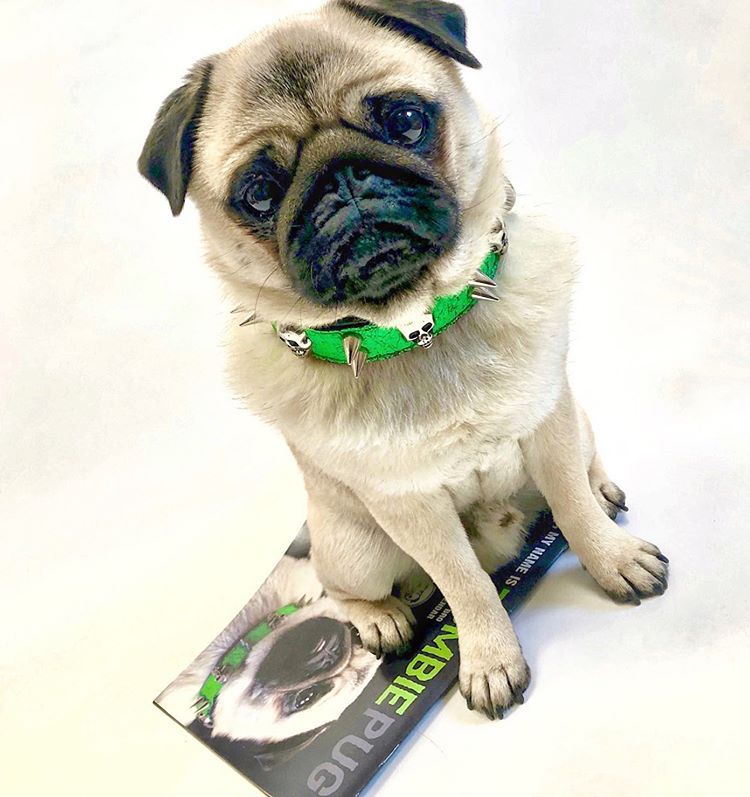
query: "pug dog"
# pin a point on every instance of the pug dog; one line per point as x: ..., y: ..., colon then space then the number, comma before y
x: 344, y: 175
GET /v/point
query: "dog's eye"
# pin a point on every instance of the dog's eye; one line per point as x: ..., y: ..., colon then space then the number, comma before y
x: 405, y: 120
x: 262, y: 194
x: 406, y: 125
x: 304, y: 698
x: 256, y: 194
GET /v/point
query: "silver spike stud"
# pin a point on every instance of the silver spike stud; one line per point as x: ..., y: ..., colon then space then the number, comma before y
x: 481, y: 280
x: 251, y: 319
x: 484, y: 295
x: 358, y: 363
x: 352, y: 346
x: 510, y: 196
x: 355, y: 357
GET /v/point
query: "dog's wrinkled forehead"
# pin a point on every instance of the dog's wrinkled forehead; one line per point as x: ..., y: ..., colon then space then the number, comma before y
x: 278, y: 88
x: 297, y: 76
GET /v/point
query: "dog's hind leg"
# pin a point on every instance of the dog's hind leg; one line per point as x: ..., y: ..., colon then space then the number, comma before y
x: 556, y: 458
x: 608, y: 495
x: 357, y: 563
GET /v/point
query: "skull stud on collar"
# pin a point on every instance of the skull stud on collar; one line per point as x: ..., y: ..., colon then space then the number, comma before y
x: 298, y: 342
x: 420, y: 331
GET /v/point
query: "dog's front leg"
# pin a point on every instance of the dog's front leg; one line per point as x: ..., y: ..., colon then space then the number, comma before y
x: 357, y: 562
x: 493, y: 673
x: 627, y: 568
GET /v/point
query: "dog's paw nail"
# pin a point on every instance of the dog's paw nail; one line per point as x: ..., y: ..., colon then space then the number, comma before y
x: 384, y: 626
x: 491, y: 688
x: 629, y: 569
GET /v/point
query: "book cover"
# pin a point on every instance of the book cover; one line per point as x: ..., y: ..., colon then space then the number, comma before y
x: 288, y: 696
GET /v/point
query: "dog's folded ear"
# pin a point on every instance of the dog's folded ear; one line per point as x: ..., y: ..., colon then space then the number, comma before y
x: 167, y: 157
x: 439, y: 25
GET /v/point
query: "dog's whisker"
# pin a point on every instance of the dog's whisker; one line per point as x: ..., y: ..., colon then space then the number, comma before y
x: 488, y: 135
x: 486, y: 199
x: 221, y: 255
x: 260, y: 290
x: 291, y: 309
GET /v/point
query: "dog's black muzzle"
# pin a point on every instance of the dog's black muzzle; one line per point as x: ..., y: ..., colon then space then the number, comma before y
x: 366, y: 228
x: 313, y: 650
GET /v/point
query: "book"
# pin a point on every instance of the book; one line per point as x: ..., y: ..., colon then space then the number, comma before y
x: 290, y: 698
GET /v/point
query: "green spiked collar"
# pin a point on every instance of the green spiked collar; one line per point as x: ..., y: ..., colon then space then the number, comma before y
x: 354, y: 342
x: 235, y: 657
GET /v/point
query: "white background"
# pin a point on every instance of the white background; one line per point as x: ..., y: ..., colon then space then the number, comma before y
x: 140, y: 506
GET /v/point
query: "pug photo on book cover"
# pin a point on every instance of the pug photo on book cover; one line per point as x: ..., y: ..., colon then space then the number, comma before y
x: 280, y: 673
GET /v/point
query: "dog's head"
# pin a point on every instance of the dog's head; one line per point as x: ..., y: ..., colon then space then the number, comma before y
x: 334, y: 158
x: 296, y: 681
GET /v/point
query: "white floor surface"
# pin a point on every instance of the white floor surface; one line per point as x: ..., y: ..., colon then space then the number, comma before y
x: 140, y: 506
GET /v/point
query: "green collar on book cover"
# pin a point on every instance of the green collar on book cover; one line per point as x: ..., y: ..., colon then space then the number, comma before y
x: 355, y: 343
x: 233, y: 660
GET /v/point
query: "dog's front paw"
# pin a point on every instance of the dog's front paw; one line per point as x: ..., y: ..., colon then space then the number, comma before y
x: 627, y: 568
x: 384, y: 626
x: 493, y: 677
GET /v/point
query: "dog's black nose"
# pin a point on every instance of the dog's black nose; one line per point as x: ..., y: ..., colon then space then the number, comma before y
x: 314, y: 649
x: 366, y: 231
x: 345, y: 197
x: 346, y: 184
